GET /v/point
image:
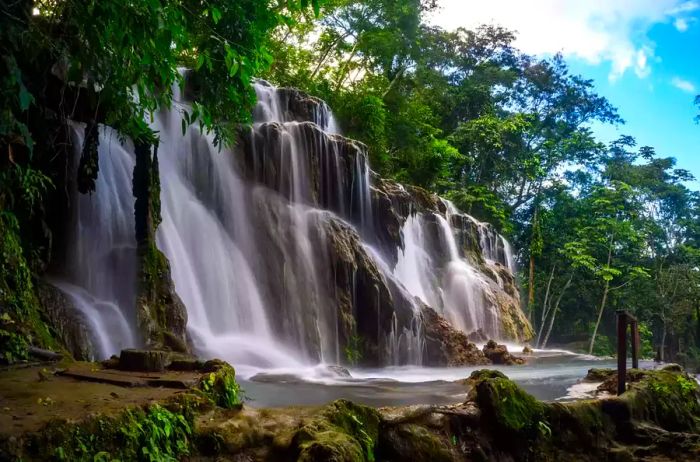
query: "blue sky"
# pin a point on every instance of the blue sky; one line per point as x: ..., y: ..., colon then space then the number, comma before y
x: 643, y: 55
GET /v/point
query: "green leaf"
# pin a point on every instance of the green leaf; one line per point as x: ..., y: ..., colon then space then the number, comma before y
x: 215, y: 15
x: 25, y: 98
x: 200, y: 61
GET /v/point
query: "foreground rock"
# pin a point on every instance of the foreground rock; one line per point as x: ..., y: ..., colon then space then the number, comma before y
x: 657, y: 419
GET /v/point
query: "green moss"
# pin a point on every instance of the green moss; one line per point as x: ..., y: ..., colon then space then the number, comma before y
x: 507, y: 407
x: 668, y: 398
x: 415, y: 442
x: 151, y: 433
x: 344, y: 431
x: 152, y: 304
x: 20, y: 322
x: 599, y: 375
x: 220, y: 385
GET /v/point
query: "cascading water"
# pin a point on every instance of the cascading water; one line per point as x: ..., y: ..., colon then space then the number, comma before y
x: 100, y: 271
x: 252, y: 238
x: 434, y: 271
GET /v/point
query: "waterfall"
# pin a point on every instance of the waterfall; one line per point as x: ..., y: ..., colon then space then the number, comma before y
x: 100, y: 268
x: 434, y: 270
x: 257, y: 236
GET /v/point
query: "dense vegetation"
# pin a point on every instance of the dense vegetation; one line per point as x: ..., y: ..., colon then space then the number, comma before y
x: 504, y: 135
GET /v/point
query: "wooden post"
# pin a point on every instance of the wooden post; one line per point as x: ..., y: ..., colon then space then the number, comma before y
x: 635, y: 344
x: 621, y: 350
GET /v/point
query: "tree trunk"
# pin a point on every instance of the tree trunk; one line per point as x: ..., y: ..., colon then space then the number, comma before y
x: 545, y: 305
x: 554, y: 312
x: 600, y: 316
x: 531, y: 286
x: 531, y: 278
x: 662, y: 352
x: 344, y: 71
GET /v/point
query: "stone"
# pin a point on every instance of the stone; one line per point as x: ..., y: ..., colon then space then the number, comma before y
x: 143, y: 360
x: 498, y: 354
x: 44, y: 355
x: 599, y: 375
x: 338, y: 371
x: 672, y: 367
x: 478, y: 336
x: 445, y: 345
x: 527, y: 350
x: 111, y: 363
x: 186, y: 364
x: 70, y: 326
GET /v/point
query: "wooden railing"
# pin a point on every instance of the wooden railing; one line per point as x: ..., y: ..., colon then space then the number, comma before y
x: 625, y: 319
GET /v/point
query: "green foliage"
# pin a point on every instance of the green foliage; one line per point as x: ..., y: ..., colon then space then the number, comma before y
x: 20, y: 324
x: 353, y: 349
x: 13, y: 346
x: 604, y: 346
x: 646, y: 341
x: 221, y: 387
x: 150, y: 434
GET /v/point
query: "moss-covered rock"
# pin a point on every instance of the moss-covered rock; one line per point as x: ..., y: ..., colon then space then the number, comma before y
x: 343, y: 432
x: 161, y: 316
x: 219, y: 384
x: 21, y: 322
x: 414, y: 442
x: 506, y: 407
x: 69, y: 326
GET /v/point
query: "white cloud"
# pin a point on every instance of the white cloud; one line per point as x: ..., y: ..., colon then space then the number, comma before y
x: 593, y: 30
x: 683, y: 84
x: 681, y: 24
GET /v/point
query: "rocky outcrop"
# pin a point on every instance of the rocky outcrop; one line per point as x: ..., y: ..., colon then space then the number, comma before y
x: 293, y: 159
x: 446, y: 346
x: 161, y: 315
x: 331, y: 168
x: 365, y: 303
x: 70, y: 327
x: 498, y: 354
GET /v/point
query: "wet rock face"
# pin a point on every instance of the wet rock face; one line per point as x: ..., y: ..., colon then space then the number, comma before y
x: 71, y: 328
x: 446, y: 346
x: 306, y: 165
x: 365, y: 302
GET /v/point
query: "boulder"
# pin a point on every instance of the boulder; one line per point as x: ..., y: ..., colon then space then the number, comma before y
x: 143, y: 360
x: 69, y: 324
x: 478, y: 336
x: 446, y: 346
x: 498, y: 354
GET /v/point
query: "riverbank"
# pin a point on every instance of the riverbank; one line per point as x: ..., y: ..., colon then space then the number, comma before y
x: 196, y: 415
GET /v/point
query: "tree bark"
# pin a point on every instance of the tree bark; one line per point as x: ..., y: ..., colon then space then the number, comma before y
x: 545, y: 307
x: 662, y: 352
x: 531, y: 277
x: 600, y: 316
x: 555, y: 310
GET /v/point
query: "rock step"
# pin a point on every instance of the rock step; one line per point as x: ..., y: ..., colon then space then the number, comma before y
x: 100, y: 377
x: 130, y: 380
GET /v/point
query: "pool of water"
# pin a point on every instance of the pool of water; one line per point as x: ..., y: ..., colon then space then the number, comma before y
x: 548, y: 375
